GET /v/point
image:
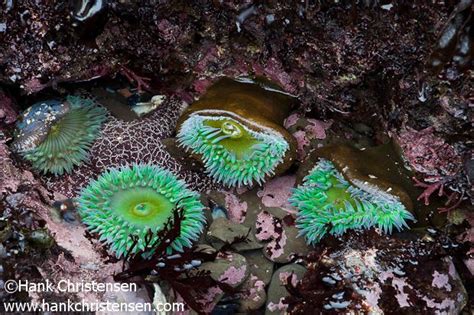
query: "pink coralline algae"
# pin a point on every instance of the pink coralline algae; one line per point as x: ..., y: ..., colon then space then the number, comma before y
x: 126, y: 142
x: 276, y: 192
x: 233, y: 275
x: 276, y: 246
x: 281, y: 306
x: 441, y: 281
x: 267, y: 226
x: 274, y: 70
x: 253, y: 293
x: 235, y: 208
x: 314, y: 130
x: 209, y: 299
x: 428, y: 154
x: 436, y: 161
x: 291, y: 120
x: 303, y: 142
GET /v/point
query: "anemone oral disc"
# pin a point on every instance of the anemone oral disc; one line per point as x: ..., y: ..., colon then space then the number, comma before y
x: 231, y: 150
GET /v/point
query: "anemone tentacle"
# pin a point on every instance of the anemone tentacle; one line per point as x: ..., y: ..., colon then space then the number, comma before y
x: 68, y: 138
x: 132, y: 200
x: 327, y: 203
x: 233, y: 153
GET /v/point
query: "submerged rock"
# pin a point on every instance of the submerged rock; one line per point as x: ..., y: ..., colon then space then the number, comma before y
x: 229, y: 268
x: 259, y: 265
x: 367, y: 272
x: 223, y: 231
x: 277, y: 291
x: 253, y: 295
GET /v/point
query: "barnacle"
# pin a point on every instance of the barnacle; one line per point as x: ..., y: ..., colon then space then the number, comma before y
x: 328, y: 203
x: 235, y: 129
x: 56, y: 136
x: 134, y: 200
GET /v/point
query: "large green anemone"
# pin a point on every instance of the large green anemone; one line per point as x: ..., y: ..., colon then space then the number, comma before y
x: 69, y: 129
x: 233, y: 153
x: 326, y: 202
x: 133, y: 200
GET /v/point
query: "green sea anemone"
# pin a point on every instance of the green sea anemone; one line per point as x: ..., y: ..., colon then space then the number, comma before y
x: 133, y: 200
x: 327, y: 202
x: 56, y: 136
x: 232, y: 153
x: 235, y: 129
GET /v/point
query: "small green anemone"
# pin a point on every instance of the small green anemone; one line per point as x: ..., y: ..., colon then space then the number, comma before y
x: 135, y: 199
x: 69, y: 139
x: 233, y: 153
x: 326, y: 202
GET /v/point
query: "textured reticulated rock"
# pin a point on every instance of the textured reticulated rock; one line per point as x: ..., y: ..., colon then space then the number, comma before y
x: 371, y: 273
x: 126, y: 142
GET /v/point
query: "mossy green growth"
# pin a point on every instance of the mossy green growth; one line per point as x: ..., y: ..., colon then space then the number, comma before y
x: 69, y: 139
x: 233, y: 153
x: 135, y: 199
x: 327, y: 203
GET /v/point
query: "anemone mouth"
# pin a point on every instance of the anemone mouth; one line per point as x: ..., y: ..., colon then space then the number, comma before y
x: 233, y: 153
x: 142, y: 207
x: 327, y: 203
x: 69, y: 139
x: 131, y: 201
